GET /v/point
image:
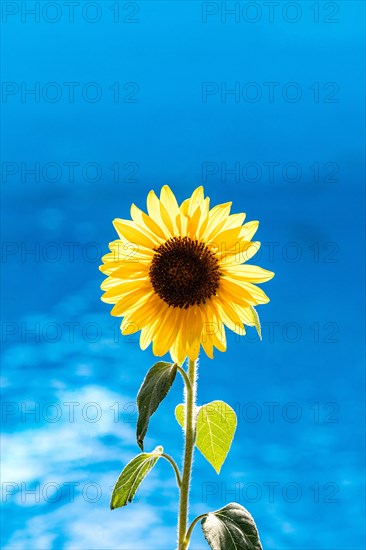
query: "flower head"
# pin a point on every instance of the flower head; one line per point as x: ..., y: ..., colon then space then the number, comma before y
x: 179, y: 275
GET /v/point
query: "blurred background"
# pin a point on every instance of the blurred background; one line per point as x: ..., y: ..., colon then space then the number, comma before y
x: 262, y: 103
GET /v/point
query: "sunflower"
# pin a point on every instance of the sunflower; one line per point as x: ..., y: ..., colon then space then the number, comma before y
x: 178, y: 275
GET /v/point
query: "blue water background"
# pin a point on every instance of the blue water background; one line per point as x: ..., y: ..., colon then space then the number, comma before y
x: 308, y: 370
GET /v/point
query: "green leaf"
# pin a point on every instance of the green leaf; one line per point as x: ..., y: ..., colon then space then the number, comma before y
x: 132, y: 476
x: 153, y: 390
x: 231, y: 528
x: 179, y: 414
x: 216, y: 425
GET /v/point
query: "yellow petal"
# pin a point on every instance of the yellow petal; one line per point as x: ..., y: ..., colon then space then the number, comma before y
x: 205, y: 208
x: 219, y: 338
x: 195, y: 200
x: 193, y: 223
x: 229, y: 315
x: 217, y: 217
x: 153, y: 207
x: 249, y: 273
x: 194, y: 322
x: 147, y: 223
x: 166, y: 334
x: 160, y: 214
x: 208, y: 346
x: 167, y: 220
x: 257, y: 293
x: 125, y: 271
x: 210, y: 326
x: 182, y: 224
x: 147, y: 334
x: 117, y: 291
x: 129, y: 232
x: 248, y: 230
x: 135, y: 300
x: 184, y: 207
x: 178, y: 349
x: 112, y: 282
x: 227, y: 241
x: 233, y: 221
x: 128, y: 252
x: 167, y: 198
x: 152, y: 309
x: 231, y: 291
x: 193, y: 351
x: 245, y: 252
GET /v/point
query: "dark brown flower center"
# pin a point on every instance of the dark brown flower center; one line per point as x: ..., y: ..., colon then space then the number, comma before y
x: 184, y: 272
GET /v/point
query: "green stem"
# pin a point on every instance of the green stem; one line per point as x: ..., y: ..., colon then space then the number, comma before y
x: 190, y: 437
x: 192, y: 526
x: 175, y: 467
x: 185, y: 377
